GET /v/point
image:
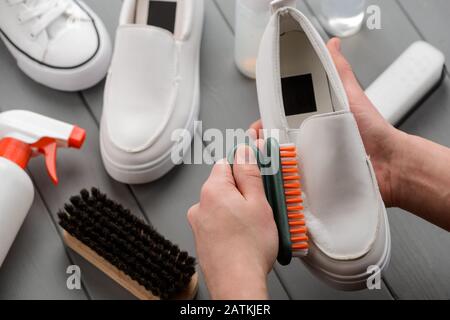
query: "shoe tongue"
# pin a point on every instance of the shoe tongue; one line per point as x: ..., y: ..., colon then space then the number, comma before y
x: 57, y: 26
x: 33, y: 3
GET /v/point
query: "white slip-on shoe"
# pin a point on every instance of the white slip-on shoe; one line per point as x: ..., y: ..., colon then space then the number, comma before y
x: 152, y: 89
x: 301, y: 95
x: 61, y: 44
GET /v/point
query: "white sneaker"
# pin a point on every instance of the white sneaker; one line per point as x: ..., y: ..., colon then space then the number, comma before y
x: 152, y: 88
x: 300, y: 93
x: 61, y: 44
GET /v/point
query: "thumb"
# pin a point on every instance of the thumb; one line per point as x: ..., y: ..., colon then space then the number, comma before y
x: 247, y: 174
x: 354, y: 91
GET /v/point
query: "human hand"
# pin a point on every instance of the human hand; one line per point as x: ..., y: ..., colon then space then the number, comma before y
x: 412, y: 172
x: 380, y: 138
x: 235, y: 233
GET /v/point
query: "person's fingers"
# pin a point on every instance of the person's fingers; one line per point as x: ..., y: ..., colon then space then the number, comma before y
x: 220, y: 181
x: 221, y: 173
x: 351, y: 84
x: 260, y: 144
x: 192, y: 214
x: 255, y: 130
x: 247, y: 174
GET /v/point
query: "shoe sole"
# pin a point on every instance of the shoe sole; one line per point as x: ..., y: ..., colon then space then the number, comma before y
x: 358, y: 281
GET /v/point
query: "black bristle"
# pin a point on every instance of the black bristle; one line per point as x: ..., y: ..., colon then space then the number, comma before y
x: 128, y: 243
x: 84, y: 195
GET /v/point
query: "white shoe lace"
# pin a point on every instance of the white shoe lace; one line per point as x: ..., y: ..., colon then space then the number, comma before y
x: 47, y: 11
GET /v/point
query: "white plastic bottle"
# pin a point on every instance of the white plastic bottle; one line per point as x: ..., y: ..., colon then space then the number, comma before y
x: 24, y: 134
x: 252, y: 17
x: 16, y: 194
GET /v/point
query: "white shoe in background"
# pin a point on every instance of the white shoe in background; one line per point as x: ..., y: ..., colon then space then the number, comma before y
x: 300, y: 94
x: 61, y: 44
x: 152, y: 89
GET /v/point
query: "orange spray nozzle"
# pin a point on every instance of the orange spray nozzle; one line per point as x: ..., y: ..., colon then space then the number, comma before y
x: 48, y: 146
x: 24, y: 134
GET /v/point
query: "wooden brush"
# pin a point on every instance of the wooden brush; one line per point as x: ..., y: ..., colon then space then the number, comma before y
x: 128, y: 250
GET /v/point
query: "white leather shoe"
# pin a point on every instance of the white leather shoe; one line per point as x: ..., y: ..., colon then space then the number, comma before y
x: 61, y: 44
x: 300, y: 93
x: 152, y: 88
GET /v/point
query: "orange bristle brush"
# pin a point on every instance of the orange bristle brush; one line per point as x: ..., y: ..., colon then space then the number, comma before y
x: 294, y: 201
x: 282, y: 185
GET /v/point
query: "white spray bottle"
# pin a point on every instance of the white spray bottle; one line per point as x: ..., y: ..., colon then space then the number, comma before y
x: 24, y: 135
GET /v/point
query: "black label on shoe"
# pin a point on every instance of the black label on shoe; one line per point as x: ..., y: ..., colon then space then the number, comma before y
x: 298, y: 95
x: 162, y: 14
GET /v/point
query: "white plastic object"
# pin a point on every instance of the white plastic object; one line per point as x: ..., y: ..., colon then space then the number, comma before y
x: 252, y: 17
x: 30, y: 127
x: 403, y: 84
x: 16, y: 197
x: 25, y: 134
x: 341, y: 18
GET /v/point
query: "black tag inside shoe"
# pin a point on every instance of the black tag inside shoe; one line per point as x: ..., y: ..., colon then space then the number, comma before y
x: 162, y: 14
x: 298, y: 95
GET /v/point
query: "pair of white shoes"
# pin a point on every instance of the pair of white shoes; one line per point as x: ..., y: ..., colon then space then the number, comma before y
x: 300, y: 94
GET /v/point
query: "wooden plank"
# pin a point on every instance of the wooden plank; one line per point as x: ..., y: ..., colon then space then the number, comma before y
x: 36, y: 265
x: 185, y: 182
x: 431, y: 20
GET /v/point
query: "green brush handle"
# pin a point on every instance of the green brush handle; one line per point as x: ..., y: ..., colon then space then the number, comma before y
x: 274, y: 190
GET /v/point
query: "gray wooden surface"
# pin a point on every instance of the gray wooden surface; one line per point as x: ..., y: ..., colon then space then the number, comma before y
x: 36, y: 265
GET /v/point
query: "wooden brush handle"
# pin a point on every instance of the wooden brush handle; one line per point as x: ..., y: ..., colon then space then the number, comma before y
x: 120, y: 277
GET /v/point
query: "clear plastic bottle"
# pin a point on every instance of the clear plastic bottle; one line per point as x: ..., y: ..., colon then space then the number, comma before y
x: 252, y: 17
x: 341, y: 18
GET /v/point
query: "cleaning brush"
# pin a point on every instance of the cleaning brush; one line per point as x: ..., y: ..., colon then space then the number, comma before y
x: 282, y: 186
x: 127, y: 249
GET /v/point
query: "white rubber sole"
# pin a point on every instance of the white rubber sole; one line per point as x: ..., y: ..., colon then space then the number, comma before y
x: 70, y: 79
x: 356, y: 281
